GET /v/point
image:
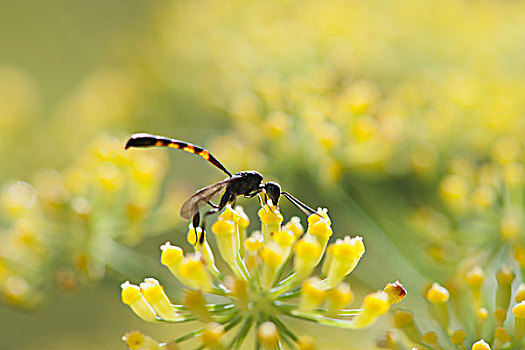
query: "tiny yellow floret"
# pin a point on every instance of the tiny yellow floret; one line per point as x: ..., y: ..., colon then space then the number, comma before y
x: 323, y: 216
x: 151, y: 290
x: 429, y: 337
x: 223, y: 227
x: 211, y: 337
x: 189, y: 266
x: 306, y: 342
x: 437, y: 294
x: 308, y: 249
x: 254, y: 242
x: 269, y: 216
x: 376, y: 303
x: 458, y: 337
x: 284, y: 238
x: 475, y: 277
x: 480, y: 345
x: 171, y: 255
x: 520, y: 293
x: 130, y: 293
x: 395, y: 291
x: 271, y: 257
x: 502, y: 335
x: 294, y: 225
x: 402, y: 318
x: 505, y: 275
x: 519, y: 310
x: 230, y: 214
x: 268, y: 335
x: 320, y: 229
x: 482, y: 314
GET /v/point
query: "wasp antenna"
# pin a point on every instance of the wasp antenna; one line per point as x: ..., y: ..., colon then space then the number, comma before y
x: 303, y: 207
x: 148, y: 140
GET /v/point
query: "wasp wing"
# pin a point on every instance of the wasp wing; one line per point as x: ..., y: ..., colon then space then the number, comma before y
x: 202, y: 197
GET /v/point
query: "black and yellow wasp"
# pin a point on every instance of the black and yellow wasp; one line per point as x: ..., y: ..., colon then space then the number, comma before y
x: 244, y: 183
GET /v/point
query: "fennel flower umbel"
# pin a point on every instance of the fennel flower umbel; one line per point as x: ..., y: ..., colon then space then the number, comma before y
x: 270, y: 274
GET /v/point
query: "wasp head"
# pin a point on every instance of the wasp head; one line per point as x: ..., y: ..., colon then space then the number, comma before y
x: 273, y: 190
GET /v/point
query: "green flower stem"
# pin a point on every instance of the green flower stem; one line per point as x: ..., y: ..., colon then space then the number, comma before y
x: 216, y: 273
x: 241, y: 334
x: 332, y: 322
x: 282, y: 328
x: 188, y: 336
x: 233, y: 322
x: 285, y: 285
x: 242, y: 267
x: 281, y: 271
x: 218, y: 308
x: 290, y: 295
x: 220, y: 289
x: 225, y: 317
x: 349, y: 312
x: 183, y: 319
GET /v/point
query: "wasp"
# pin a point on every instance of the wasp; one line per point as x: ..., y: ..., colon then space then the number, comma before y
x: 244, y: 183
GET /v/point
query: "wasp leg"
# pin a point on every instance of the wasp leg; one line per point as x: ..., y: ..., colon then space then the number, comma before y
x: 213, y: 205
x: 209, y: 212
x: 261, y: 202
x: 253, y: 194
x: 196, y: 223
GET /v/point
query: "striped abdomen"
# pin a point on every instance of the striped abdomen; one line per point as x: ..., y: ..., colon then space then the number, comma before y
x: 147, y: 140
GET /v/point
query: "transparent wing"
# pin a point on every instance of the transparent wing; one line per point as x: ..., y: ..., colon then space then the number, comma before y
x: 203, y: 196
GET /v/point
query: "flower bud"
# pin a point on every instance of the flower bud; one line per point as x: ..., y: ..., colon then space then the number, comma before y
x: 157, y: 298
x: 312, y: 294
x: 131, y: 296
x: 374, y: 305
x: 480, y: 345
x: 338, y: 298
x: 307, y: 253
x: 271, y: 220
x: 345, y: 254
x: 138, y: 341
x: 212, y: 336
x: 268, y: 335
x: 194, y: 273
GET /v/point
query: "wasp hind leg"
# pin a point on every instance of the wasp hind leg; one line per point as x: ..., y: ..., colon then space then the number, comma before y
x: 213, y: 210
x: 196, y: 222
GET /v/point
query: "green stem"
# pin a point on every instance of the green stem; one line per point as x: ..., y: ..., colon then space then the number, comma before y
x: 188, y: 336
x: 241, y: 334
x: 332, y: 322
x: 282, y: 328
x: 290, y: 295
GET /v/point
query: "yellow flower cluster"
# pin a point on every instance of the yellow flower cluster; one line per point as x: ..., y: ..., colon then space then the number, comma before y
x: 64, y: 227
x: 263, y: 273
x: 466, y: 315
x: 329, y: 83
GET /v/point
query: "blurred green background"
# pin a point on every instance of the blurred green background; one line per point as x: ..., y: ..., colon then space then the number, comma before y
x: 405, y: 119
